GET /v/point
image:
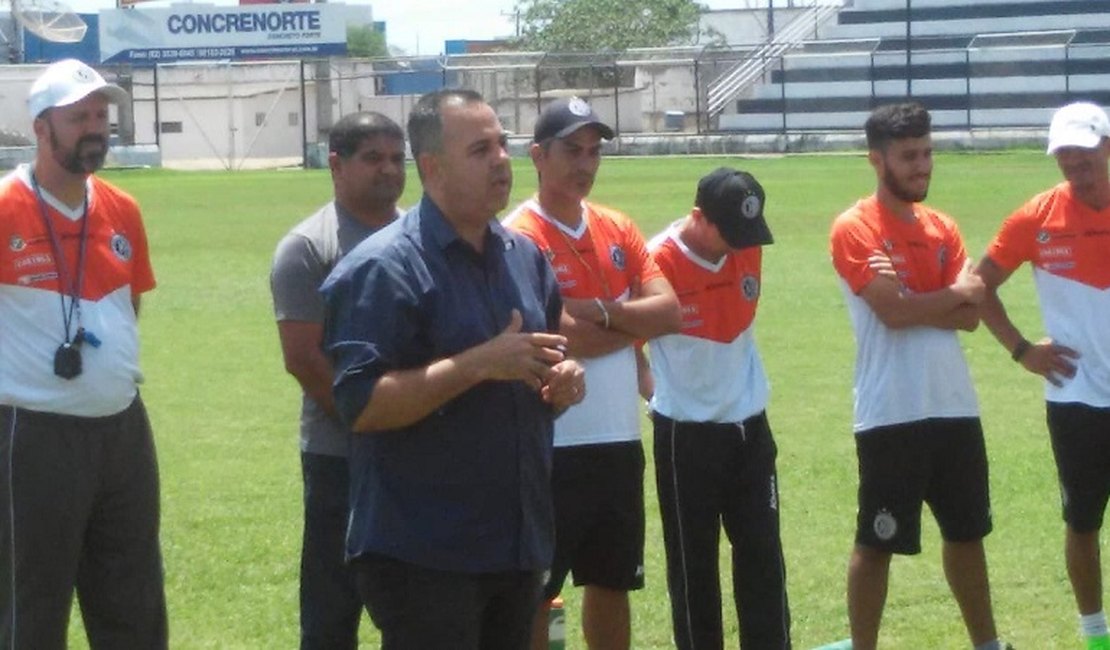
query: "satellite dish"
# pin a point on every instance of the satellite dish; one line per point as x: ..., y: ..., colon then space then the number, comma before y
x: 50, y: 20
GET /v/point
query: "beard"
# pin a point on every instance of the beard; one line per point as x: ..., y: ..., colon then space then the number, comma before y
x: 87, y: 155
x: 907, y: 194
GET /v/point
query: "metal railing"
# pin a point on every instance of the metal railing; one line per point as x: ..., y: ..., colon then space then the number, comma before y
x: 734, y: 82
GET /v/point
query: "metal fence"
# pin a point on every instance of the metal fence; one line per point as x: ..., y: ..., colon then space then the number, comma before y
x: 235, y: 115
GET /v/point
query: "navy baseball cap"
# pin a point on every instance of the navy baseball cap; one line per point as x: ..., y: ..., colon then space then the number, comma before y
x: 733, y: 201
x: 565, y: 116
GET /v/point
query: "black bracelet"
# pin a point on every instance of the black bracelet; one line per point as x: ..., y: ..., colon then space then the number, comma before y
x: 1020, y: 349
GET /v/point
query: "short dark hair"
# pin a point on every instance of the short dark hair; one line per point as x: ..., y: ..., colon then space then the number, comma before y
x: 425, y: 125
x: 896, y: 122
x: 352, y: 130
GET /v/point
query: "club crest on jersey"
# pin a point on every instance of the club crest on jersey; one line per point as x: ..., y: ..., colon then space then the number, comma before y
x: 549, y: 253
x: 121, y: 247
x: 616, y: 255
x: 749, y: 286
x: 578, y: 106
x: 888, y: 245
x: 16, y: 243
x: 1043, y: 237
x: 885, y: 525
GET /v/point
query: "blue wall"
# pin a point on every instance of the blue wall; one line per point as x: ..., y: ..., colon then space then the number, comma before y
x: 426, y: 76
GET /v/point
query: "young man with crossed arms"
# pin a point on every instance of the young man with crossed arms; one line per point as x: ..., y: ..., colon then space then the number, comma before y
x: 908, y: 284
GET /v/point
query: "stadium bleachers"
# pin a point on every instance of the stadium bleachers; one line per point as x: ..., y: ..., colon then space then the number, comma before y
x: 973, y: 63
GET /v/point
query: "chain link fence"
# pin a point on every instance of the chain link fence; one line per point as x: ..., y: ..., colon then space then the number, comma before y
x: 239, y: 115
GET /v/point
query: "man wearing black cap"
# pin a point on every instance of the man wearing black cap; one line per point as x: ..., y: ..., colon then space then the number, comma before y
x: 714, y: 452
x: 908, y: 285
x: 613, y: 295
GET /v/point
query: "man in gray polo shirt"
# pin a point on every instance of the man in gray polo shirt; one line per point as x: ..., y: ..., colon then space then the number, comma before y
x: 366, y: 154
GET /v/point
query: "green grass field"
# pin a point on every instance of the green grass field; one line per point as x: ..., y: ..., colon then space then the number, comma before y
x: 225, y: 412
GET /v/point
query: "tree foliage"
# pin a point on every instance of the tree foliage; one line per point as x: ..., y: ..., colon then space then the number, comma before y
x: 365, y: 41
x: 593, y: 25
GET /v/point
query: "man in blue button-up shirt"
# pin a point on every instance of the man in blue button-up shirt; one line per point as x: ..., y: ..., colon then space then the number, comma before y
x: 440, y: 326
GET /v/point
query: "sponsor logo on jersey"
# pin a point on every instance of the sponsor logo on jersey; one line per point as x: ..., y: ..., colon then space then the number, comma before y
x: 27, y: 280
x: 34, y: 259
x: 1055, y: 251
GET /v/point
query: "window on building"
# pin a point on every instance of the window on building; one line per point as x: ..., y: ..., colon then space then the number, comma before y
x: 171, y: 127
x: 294, y: 119
x: 259, y: 119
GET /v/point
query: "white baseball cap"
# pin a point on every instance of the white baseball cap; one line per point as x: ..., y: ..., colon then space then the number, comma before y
x: 67, y: 82
x: 1081, y: 124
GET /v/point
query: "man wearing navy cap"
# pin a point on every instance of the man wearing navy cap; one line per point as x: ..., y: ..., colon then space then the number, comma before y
x: 78, y: 475
x: 714, y: 452
x: 613, y: 295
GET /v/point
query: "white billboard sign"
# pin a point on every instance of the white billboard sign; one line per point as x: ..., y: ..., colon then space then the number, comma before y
x: 187, y: 32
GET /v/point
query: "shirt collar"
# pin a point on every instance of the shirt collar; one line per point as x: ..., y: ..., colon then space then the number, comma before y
x: 443, y: 234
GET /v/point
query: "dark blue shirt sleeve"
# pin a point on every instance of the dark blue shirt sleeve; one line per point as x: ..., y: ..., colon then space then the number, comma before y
x: 370, y: 312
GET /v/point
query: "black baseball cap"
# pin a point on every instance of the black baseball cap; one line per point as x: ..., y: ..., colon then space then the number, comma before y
x: 564, y: 116
x: 733, y: 201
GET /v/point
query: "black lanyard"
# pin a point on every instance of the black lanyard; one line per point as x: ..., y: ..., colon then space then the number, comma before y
x: 77, y: 282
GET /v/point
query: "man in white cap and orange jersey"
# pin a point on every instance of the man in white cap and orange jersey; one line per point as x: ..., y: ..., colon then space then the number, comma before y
x: 78, y: 475
x: 1064, y: 233
x: 613, y: 295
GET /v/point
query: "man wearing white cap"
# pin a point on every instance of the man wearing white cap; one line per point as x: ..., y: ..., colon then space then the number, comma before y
x: 1064, y: 233
x: 78, y: 475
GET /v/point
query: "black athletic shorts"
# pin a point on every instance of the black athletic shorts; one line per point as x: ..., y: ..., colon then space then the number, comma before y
x: 599, y: 516
x: 939, y: 461
x: 1081, y: 443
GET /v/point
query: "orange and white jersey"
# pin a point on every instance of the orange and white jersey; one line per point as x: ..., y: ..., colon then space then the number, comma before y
x: 710, y: 371
x: 117, y: 265
x: 604, y: 257
x: 913, y: 373
x: 1068, y: 244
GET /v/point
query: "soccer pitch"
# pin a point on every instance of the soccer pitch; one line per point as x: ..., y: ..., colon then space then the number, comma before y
x: 225, y: 412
